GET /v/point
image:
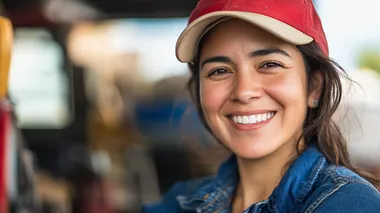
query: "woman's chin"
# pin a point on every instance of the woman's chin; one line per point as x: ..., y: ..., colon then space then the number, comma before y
x: 252, y: 151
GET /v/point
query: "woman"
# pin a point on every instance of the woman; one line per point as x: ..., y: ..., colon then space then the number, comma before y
x: 267, y: 90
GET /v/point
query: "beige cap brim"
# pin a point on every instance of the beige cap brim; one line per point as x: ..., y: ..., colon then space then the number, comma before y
x: 186, y: 48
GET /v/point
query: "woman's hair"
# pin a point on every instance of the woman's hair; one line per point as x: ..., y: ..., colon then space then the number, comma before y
x: 319, y: 126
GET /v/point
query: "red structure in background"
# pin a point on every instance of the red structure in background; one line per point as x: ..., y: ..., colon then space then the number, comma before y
x: 5, y: 127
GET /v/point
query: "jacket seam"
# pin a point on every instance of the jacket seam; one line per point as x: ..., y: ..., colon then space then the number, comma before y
x: 221, y: 192
x: 338, y: 178
x: 321, y: 198
x: 357, y: 180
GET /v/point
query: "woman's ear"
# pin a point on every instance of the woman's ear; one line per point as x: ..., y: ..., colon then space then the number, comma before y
x: 315, y: 89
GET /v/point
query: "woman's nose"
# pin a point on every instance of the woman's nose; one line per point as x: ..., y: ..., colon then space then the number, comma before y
x: 247, y: 87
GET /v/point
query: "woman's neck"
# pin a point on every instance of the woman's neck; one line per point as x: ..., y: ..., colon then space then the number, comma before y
x: 259, y: 177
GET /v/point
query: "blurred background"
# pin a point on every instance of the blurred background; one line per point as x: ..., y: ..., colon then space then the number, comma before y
x: 102, y: 121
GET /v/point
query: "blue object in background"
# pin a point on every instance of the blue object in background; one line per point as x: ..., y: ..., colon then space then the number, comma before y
x: 168, y: 119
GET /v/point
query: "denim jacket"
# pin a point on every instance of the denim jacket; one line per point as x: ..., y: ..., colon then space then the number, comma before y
x: 311, y: 184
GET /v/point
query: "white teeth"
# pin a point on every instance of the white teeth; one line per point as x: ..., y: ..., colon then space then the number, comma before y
x: 235, y: 119
x: 252, y: 119
x: 258, y: 117
x: 245, y: 119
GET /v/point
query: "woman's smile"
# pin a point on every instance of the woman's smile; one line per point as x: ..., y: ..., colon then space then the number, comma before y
x: 248, y: 121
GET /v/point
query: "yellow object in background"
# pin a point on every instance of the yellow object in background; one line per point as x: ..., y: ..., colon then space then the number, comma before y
x: 6, y: 43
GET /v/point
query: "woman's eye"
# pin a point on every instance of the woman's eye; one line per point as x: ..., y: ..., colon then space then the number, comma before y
x: 218, y: 72
x: 271, y: 65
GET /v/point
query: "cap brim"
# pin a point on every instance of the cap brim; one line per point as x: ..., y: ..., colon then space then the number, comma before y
x: 186, y: 48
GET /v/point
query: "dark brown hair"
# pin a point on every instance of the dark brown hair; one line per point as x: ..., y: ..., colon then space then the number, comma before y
x: 319, y: 126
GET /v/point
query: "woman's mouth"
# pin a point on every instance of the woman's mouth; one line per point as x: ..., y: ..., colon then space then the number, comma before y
x: 251, y: 121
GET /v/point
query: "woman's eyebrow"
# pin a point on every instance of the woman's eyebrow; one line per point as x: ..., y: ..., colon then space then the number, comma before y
x: 213, y: 59
x: 257, y: 53
x: 264, y: 52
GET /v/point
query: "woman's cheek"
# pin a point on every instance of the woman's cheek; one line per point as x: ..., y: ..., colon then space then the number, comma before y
x: 288, y: 90
x: 212, y: 98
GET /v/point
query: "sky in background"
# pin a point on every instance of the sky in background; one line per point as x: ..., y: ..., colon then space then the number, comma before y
x: 155, y: 39
x: 350, y: 25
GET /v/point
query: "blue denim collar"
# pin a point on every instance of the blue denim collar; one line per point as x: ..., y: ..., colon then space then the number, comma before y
x: 217, y: 193
x: 293, y: 189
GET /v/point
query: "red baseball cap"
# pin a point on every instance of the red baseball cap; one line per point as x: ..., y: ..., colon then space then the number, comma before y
x: 294, y: 21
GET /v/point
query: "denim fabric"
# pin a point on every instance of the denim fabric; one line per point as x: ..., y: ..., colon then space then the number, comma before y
x: 311, y: 184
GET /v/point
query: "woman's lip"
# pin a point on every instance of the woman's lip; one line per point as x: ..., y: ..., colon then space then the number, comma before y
x: 253, y: 112
x: 250, y: 127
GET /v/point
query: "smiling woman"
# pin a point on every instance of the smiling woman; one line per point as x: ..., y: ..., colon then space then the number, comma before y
x: 259, y: 75
x: 266, y: 88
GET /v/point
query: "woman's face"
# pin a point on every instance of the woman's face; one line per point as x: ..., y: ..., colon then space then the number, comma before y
x: 253, y: 89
